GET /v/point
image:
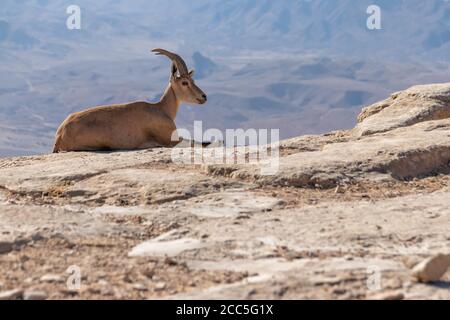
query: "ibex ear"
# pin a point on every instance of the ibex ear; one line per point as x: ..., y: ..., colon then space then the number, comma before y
x: 174, y: 71
x: 191, y: 73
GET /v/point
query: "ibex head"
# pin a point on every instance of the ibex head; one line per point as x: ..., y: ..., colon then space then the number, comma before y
x: 181, y: 79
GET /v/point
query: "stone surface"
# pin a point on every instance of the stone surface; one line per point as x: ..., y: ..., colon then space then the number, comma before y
x: 51, y: 278
x: 432, y: 269
x: 405, y: 108
x: 343, y: 207
x: 11, y: 294
x: 34, y: 295
x: 159, y: 247
x: 402, y: 153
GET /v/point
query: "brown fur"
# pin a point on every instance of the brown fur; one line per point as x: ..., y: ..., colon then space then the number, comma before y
x: 136, y: 125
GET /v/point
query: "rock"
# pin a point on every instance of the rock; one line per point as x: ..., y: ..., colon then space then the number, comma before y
x: 160, y: 286
x: 28, y: 280
x: 169, y: 248
x: 402, y: 153
x: 35, y: 295
x: 11, y: 294
x: 37, y: 237
x: 140, y: 287
x: 405, y: 108
x: 238, y: 201
x: 432, y: 269
x: 52, y: 278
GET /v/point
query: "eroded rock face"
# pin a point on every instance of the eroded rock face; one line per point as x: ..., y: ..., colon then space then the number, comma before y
x: 405, y: 108
x: 406, y: 136
x: 138, y: 225
x: 403, y: 153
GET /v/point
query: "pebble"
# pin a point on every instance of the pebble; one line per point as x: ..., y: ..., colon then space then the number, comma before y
x: 28, y: 280
x: 160, y: 286
x: 103, y: 282
x: 432, y: 269
x: 37, y: 237
x: 11, y: 294
x: 158, y: 247
x: 140, y: 287
x: 339, y: 291
x: 51, y: 278
x: 35, y: 295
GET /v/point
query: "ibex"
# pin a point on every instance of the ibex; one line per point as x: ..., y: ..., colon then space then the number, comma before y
x: 135, y: 125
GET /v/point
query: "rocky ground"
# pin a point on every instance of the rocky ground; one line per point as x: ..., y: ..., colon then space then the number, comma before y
x: 348, y: 215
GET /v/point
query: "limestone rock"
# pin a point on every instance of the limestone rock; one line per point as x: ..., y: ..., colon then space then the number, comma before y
x: 52, y: 278
x: 432, y: 269
x: 35, y: 295
x: 401, y: 153
x: 11, y: 294
x: 159, y: 247
x: 405, y: 108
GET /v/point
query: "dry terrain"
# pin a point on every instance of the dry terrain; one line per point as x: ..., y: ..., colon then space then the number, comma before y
x: 347, y: 215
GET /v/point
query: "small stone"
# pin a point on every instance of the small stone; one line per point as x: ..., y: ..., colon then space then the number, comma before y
x: 35, y: 295
x: 11, y: 294
x: 103, y: 282
x: 160, y: 286
x: 432, y: 269
x: 393, y: 284
x: 51, y: 278
x: 157, y: 247
x: 37, y: 237
x: 339, y: 291
x: 190, y: 191
x: 140, y: 287
x: 28, y: 280
x: 107, y: 292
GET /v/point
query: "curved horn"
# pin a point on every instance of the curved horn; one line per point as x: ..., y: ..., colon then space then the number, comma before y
x: 179, y: 62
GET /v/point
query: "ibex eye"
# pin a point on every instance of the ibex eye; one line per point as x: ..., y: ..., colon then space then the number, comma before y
x: 184, y: 83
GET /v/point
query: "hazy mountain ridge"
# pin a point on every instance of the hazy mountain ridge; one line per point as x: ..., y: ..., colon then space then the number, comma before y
x: 330, y: 26
x: 310, y: 65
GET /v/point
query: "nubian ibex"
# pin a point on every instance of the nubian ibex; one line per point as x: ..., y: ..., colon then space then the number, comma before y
x: 135, y: 125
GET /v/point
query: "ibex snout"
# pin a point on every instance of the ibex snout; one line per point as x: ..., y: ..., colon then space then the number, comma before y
x: 203, y: 99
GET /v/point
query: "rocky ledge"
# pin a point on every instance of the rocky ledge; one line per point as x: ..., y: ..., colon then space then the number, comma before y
x: 356, y: 214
